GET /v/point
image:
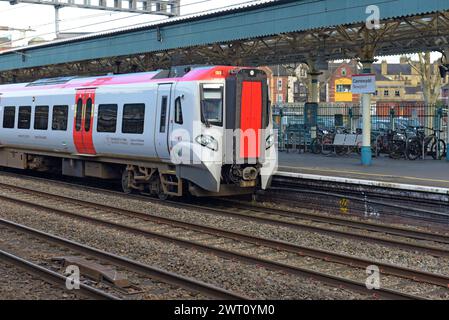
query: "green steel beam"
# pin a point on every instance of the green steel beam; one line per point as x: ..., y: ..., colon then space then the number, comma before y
x: 253, y: 22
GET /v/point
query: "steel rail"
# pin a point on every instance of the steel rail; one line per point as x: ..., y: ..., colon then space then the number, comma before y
x: 353, y: 261
x: 150, y: 271
x: 272, y: 265
x: 370, y: 226
x: 340, y: 221
x: 54, y: 277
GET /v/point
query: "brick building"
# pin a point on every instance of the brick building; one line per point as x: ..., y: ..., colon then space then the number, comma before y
x: 339, y: 82
x: 278, y: 81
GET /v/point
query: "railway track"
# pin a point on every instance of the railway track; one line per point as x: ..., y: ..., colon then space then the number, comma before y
x: 296, y: 220
x: 52, y: 276
x: 276, y: 247
x: 170, y: 278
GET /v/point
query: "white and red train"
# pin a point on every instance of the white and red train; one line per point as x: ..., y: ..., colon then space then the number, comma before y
x: 159, y: 131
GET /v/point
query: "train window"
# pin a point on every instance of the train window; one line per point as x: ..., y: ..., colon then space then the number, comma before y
x: 24, y: 117
x: 178, y: 111
x: 163, y: 114
x: 60, y: 115
x: 212, y: 105
x: 133, y: 118
x: 41, y: 118
x: 79, y: 114
x: 88, y: 115
x: 9, y: 115
x: 107, y: 118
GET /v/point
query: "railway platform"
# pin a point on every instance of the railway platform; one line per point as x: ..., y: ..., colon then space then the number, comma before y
x: 420, y: 175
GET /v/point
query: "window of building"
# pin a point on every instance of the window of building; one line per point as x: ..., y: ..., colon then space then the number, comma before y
x: 376, y: 92
x: 59, y: 121
x: 133, y: 118
x: 343, y: 88
x: 280, y: 98
x: 163, y: 120
x: 296, y: 88
x: 397, y: 93
x: 79, y: 114
x: 279, y: 82
x: 24, y: 117
x: 107, y: 118
x: 41, y: 118
x: 9, y: 115
x: 386, y: 93
x: 178, y: 111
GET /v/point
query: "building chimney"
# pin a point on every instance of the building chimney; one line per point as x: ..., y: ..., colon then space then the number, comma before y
x: 384, y: 67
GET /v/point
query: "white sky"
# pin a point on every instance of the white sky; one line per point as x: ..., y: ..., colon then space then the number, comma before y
x: 41, y: 19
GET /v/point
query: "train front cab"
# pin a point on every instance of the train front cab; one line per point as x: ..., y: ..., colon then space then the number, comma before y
x: 249, y: 158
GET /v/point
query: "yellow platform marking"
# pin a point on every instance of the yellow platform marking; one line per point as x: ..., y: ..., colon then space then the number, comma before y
x: 366, y: 174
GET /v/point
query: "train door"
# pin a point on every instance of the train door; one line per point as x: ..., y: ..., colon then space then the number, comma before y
x: 83, y: 121
x: 162, y: 129
x: 176, y: 123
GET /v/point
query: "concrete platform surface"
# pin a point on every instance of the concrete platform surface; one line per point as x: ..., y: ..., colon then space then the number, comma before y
x: 425, y: 173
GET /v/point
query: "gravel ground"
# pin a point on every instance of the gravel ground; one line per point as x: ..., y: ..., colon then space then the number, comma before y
x: 16, y: 284
x: 300, y: 237
x: 42, y: 252
x: 347, y: 246
x: 246, y: 279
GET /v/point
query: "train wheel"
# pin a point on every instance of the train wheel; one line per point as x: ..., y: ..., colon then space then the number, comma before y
x: 127, y: 178
x: 160, y: 191
x: 156, y: 188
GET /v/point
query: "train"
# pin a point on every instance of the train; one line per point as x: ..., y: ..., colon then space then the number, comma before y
x: 198, y: 130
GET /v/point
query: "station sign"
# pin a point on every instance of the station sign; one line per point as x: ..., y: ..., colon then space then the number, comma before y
x: 363, y: 83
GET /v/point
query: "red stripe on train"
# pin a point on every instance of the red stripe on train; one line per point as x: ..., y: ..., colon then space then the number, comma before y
x: 251, y: 119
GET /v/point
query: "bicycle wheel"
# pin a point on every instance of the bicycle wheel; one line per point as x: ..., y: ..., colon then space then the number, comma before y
x: 413, y: 150
x: 438, y: 151
x: 397, y: 150
x: 327, y: 146
x: 315, y: 146
x: 341, y: 150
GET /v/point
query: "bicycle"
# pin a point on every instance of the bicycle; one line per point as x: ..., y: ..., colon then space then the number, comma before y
x: 316, y: 146
x: 421, y: 145
x: 393, y: 143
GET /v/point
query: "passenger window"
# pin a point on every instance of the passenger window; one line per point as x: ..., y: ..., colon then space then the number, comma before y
x: 41, y: 118
x: 133, y: 118
x: 163, y: 114
x: 24, y: 117
x: 88, y: 115
x: 79, y: 114
x: 107, y: 118
x: 9, y: 115
x: 178, y: 111
x: 60, y: 115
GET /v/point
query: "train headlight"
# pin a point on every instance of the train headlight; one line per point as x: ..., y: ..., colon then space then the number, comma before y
x: 207, y: 141
x: 269, y: 141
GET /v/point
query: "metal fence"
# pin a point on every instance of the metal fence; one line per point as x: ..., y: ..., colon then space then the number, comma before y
x: 296, y: 134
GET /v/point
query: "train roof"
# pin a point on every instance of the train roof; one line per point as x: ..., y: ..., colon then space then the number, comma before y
x: 193, y: 74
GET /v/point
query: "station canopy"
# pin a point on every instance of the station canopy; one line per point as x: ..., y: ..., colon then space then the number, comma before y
x: 265, y: 33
